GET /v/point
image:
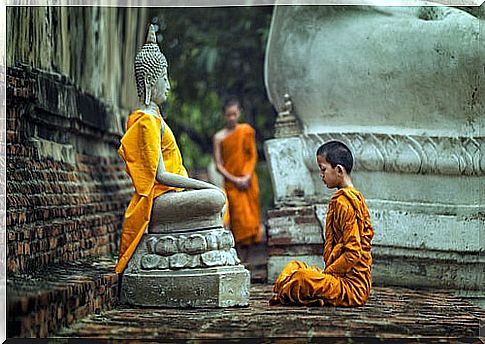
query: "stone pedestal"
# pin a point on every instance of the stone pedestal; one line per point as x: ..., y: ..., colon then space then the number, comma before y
x: 211, y: 287
x: 186, y: 269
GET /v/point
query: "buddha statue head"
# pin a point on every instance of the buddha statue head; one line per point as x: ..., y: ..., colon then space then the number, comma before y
x: 151, y: 71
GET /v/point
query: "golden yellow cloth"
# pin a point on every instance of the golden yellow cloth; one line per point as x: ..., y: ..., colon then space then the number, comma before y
x: 239, y: 156
x: 347, y: 279
x: 226, y: 219
x: 140, y: 149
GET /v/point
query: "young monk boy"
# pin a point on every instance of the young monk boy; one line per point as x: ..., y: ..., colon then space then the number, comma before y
x: 346, y: 280
x: 236, y: 156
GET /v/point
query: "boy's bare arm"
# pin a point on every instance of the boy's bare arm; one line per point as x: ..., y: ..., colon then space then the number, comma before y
x: 218, y: 158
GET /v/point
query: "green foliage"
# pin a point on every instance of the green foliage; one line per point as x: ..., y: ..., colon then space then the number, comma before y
x: 212, y: 53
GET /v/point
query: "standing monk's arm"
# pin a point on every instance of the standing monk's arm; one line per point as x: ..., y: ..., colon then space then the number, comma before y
x: 220, y: 164
x: 352, y: 248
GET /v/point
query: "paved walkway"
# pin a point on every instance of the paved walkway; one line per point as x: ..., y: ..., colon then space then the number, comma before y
x: 389, y: 313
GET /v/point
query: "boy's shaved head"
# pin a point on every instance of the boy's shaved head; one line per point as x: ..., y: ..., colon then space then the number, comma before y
x: 337, y: 153
x: 230, y: 101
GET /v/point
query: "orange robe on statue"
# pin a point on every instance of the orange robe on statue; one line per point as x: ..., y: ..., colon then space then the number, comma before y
x: 347, y: 279
x: 239, y: 156
x: 140, y: 149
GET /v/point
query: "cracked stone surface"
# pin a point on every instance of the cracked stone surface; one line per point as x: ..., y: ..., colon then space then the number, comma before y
x: 391, y: 312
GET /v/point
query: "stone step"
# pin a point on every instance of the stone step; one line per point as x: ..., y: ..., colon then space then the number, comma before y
x: 40, y: 303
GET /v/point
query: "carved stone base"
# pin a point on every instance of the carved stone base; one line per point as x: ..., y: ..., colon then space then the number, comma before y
x: 225, y: 286
x: 422, y: 249
x: 197, y: 268
x: 462, y: 274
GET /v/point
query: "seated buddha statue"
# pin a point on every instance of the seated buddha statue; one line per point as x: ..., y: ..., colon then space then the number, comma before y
x: 166, y: 200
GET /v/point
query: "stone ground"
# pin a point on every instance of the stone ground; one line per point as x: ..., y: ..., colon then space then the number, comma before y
x: 392, y: 314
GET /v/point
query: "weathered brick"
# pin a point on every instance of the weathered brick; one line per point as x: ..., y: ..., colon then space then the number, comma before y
x: 60, y: 201
x: 41, y: 302
x: 295, y: 250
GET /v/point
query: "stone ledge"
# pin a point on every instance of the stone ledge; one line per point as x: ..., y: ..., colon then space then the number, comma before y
x: 445, y: 154
x: 40, y: 303
x: 402, y: 269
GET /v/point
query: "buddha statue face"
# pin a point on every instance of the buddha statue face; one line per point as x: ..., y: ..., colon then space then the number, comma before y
x: 161, y: 88
x: 151, y: 71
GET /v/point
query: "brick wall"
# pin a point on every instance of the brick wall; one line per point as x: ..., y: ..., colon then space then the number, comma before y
x: 69, y: 84
x: 66, y: 186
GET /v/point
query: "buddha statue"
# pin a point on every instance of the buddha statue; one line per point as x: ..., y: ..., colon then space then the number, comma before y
x: 173, y: 242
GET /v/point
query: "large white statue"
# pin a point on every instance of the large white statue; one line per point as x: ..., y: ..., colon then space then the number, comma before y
x: 401, y: 87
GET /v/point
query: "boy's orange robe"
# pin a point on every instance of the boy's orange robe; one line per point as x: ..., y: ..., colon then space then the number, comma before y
x: 346, y: 280
x: 140, y: 149
x: 239, y: 156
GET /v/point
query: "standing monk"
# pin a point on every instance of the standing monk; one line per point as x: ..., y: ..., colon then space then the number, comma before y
x: 235, y: 156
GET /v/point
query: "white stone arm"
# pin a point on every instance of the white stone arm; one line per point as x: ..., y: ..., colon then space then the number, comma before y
x: 175, y: 180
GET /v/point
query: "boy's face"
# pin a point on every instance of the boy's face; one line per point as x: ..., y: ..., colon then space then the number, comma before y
x: 231, y: 115
x: 329, y: 174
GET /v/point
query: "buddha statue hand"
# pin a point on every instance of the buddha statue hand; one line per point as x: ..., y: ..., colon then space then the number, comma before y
x: 175, y: 180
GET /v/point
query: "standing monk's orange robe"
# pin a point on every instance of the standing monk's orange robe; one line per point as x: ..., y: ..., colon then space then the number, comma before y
x: 239, y: 156
x: 346, y: 280
x: 140, y: 149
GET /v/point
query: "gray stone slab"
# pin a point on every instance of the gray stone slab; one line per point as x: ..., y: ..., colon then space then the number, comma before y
x: 210, y: 287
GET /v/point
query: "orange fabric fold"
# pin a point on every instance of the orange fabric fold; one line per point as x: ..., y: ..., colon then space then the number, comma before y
x: 140, y: 149
x: 239, y: 156
x: 347, y: 279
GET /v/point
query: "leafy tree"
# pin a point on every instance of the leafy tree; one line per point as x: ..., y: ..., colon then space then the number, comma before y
x: 214, y: 52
